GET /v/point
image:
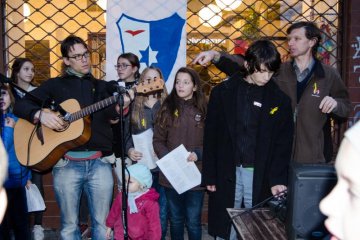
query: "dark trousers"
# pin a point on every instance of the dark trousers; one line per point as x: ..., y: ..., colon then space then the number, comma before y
x: 37, y: 179
x: 185, y: 210
x: 164, y: 211
x: 16, y: 216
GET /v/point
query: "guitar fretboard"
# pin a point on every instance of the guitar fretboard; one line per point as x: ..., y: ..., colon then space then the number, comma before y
x: 93, y: 108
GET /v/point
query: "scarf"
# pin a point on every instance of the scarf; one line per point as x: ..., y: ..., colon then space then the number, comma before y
x: 72, y: 72
x: 131, y: 200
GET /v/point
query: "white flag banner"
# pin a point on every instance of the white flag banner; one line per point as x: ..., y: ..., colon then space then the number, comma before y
x: 154, y: 30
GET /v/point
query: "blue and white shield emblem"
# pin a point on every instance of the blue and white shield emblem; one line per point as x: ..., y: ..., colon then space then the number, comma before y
x: 156, y: 43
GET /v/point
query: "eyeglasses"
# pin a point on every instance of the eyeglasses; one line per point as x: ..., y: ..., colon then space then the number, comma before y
x: 79, y: 57
x: 122, y: 66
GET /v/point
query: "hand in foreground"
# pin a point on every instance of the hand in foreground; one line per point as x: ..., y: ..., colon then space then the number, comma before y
x: 211, y: 188
x: 9, y: 122
x: 192, y: 157
x: 275, y: 190
x: 328, y: 104
x: 28, y: 183
x: 50, y: 119
x: 134, y: 155
x: 204, y: 58
x: 108, y: 233
x: 128, y: 97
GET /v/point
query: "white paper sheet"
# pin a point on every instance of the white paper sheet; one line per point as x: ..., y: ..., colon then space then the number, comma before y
x: 182, y: 175
x: 143, y: 144
x: 35, y: 202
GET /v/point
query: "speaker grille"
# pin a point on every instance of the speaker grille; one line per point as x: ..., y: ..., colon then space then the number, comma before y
x: 307, y: 186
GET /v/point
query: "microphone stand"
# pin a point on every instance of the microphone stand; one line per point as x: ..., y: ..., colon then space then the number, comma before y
x: 123, y: 165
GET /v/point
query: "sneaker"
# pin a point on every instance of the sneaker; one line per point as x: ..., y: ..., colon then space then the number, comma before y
x: 38, y: 232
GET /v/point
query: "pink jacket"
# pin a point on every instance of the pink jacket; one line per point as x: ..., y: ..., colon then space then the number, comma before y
x: 143, y: 225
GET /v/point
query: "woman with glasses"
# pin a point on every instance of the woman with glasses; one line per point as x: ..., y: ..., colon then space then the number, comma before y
x: 127, y: 68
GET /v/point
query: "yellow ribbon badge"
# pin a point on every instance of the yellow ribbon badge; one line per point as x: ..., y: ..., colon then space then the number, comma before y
x: 273, y: 110
x: 143, y: 122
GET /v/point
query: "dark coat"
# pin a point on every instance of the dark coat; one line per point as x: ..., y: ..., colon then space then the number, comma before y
x: 273, y: 149
x: 311, y: 124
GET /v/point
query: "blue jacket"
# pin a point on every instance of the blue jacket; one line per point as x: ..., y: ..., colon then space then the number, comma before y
x: 17, y: 174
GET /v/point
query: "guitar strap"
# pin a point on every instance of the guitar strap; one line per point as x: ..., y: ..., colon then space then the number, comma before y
x: 39, y: 133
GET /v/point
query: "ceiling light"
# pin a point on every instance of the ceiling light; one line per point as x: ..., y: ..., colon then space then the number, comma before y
x: 102, y: 3
x: 210, y: 16
x: 228, y: 5
x: 26, y: 11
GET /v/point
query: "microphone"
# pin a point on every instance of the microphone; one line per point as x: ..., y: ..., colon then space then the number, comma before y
x: 5, y: 79
x: 113, y: 86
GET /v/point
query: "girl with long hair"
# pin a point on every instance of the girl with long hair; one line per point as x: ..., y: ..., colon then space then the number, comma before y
x: 181, y: 121
x: 143, y: 115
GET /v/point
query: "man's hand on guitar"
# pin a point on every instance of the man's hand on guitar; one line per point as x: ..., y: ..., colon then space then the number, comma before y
x: 50, y: 119
x: 129, y: 97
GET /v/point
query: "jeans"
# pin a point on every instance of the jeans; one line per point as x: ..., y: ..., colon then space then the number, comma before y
x: 244, y: 186
x: 162, y: 204
x: 243, y: 190
x: 70, y: 178
x: 84, y: 210
x: 185, y: 209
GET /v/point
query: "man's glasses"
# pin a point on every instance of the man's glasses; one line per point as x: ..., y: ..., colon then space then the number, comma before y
x: 122, y: 66
x: 79, y: 57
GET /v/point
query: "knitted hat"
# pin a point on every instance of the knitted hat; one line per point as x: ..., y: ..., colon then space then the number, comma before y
x: 141, y: 173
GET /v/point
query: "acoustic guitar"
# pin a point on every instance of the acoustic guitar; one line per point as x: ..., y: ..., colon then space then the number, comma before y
x: 41, y: 153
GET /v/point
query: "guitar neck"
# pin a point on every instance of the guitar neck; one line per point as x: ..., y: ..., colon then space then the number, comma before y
x: 152, y: 86
x: 93, y: 108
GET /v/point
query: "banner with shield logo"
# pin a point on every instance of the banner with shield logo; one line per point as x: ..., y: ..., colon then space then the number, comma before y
x: 153, y: 30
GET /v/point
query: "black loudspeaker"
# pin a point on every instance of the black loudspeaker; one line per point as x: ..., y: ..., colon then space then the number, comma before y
x: 308, y: 184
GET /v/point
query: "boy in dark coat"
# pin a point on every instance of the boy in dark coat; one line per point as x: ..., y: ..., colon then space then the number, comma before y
x: 247, y: 139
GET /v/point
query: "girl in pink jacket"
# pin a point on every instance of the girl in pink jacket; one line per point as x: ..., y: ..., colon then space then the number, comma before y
x: 143, y: 208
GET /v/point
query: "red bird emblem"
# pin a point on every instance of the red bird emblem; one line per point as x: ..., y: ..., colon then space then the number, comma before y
x: 133, y: 33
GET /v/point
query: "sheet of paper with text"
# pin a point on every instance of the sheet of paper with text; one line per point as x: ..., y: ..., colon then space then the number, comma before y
x: 182, y: 175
